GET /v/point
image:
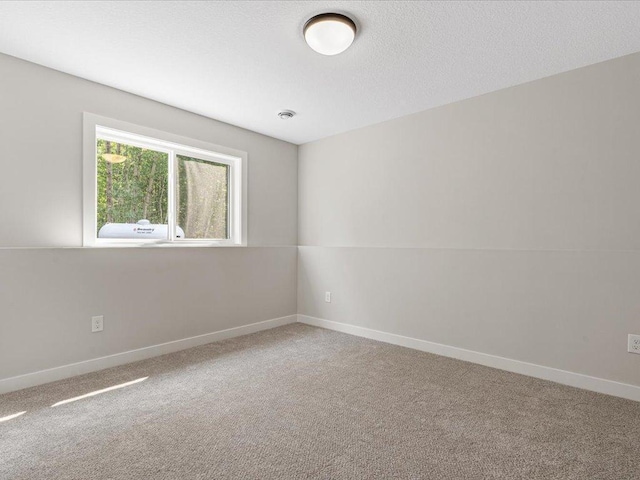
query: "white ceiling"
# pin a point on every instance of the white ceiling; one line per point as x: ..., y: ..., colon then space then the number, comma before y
x: 242, y: 62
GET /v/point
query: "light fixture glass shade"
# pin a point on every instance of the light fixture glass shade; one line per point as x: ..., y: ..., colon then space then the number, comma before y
x: 113, y: 158
x: 330, y: 33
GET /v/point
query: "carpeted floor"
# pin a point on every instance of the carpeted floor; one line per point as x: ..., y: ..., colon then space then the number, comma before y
x: 299, y: 402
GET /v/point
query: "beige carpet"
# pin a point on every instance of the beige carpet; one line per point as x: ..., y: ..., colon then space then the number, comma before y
x: 300, y: 402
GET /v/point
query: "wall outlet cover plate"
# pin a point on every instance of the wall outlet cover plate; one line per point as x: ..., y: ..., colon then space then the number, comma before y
x: 97, y: 323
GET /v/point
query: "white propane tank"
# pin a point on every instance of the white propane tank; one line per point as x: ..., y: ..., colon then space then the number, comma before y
x: 143, y: 229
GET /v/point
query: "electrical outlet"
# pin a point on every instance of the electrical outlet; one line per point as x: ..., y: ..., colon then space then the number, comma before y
x: 634, y: 344
x: 327, y: 297
x: 97, y: 323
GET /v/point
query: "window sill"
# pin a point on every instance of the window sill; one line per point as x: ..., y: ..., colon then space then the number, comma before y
x: 163, y: 245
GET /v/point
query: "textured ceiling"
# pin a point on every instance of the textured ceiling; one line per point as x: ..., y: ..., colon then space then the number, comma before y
x: 241, y: 62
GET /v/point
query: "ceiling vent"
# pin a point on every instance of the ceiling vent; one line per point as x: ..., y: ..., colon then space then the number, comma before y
x: 286, y: 114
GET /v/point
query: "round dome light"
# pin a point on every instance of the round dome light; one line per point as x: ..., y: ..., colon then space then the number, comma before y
x: 329, y: 33
x: 113, y: 158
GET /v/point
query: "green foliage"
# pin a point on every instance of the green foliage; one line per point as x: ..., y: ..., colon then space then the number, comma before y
x: 134, y: 189
x: 202, y: 198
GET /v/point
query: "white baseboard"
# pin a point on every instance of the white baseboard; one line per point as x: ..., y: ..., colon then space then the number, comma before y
x: 564, y: 377
x: 87, y: 366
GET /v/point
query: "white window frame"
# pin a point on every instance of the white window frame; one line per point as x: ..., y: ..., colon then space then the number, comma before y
x: 118, y: 131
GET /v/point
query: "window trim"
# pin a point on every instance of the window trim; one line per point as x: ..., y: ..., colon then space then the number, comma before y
x: 95, y: 126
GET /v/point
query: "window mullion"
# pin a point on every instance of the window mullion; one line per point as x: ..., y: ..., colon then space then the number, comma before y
x: 172, y: 196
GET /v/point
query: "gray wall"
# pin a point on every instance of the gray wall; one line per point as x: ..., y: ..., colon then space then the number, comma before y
x: 506, y: 224
x: 47, y: 295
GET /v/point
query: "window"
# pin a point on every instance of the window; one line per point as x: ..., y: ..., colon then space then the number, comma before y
x: 144, y: 186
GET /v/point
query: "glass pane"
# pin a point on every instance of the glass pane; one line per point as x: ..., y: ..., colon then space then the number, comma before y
x: 202, y: 196
x: 132, y: 191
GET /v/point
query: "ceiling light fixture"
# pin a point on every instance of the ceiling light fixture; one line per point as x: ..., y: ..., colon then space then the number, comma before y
x: 113, y: 158
x: 329, y: 33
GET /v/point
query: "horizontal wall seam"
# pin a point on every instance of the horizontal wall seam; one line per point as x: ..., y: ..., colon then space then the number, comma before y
x: 470, y: 249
